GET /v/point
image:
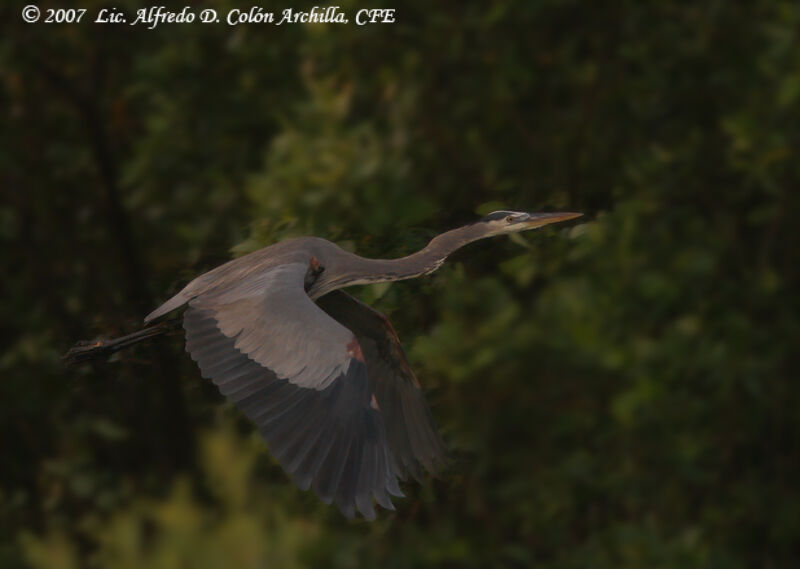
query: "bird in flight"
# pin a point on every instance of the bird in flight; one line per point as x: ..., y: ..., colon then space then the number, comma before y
x: 322, y: 375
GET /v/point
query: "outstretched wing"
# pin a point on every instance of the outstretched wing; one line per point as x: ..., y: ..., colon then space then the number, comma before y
x: 301, y: 377
x: 412, y: 434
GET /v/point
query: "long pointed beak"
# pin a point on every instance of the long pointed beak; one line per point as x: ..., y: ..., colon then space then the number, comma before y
x: 539, y: 219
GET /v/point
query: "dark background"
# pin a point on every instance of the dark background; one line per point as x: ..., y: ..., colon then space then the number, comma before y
x: 619, y: 392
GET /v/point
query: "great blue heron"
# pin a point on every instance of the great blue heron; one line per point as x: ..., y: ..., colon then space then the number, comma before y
x: 321, y: 374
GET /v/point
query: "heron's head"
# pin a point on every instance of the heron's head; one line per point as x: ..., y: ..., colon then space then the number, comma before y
x: 505, y: 222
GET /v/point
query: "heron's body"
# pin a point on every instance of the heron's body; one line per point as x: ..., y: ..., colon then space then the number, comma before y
x: 322, y: 375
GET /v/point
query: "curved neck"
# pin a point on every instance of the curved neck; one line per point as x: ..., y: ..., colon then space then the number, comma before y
x: 423, y: 262
x: 431, y: 257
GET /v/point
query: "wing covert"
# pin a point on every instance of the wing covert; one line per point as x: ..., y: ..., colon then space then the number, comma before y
x: 276, y: 324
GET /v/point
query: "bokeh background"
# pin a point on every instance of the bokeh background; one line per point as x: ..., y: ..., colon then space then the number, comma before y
x: 618, y: 392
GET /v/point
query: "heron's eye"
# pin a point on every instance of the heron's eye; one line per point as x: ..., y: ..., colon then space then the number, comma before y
x: 510, y: 218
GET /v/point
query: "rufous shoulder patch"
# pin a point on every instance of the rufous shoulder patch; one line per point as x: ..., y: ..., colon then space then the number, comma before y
x: 354, y: 350
x: 315, y: 265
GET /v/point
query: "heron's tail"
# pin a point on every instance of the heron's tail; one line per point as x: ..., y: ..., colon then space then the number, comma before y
x: 85, y: 351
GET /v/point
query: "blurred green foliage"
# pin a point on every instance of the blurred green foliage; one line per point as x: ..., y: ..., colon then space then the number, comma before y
x: 620, y: 392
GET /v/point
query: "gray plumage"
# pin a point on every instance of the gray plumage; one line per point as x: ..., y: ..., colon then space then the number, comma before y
x: 321, y: 374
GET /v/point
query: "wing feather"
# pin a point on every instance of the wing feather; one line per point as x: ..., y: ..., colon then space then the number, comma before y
x: 412, y: 435
x: 315, y: 415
